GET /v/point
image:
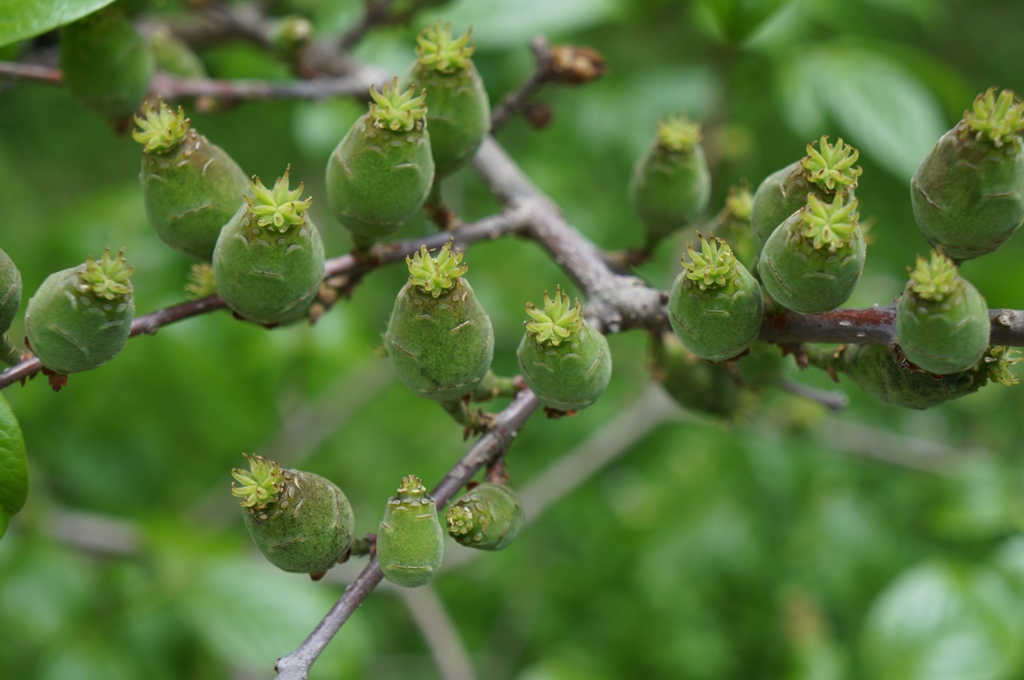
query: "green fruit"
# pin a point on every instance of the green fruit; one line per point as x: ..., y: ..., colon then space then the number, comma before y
x: 269, y: 259
x: 884, y: 373
x: 13, y: 467
x: 173, y: 55
x: 732, y: 224
x: 968, y: 192
x: 823, y: 172
x: 80, y: 318
x: 671, y: 184
x: 459, y: 115
x: 191, y: 188
x: 10, y: 292
x: 300, y: 521
x: 941, y: 319
x: 380, y: 173
x: 715, y: 305
x: 564, y: 360
x: 487, y: 517
x: 693, y: 383
x: 764, y: 366
x: 410, y: 542
x: 106, y: 64
x: 812, y: 262
x: 439, y: 338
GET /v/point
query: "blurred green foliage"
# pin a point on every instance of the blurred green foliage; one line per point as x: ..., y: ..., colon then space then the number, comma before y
x: 794, y: 543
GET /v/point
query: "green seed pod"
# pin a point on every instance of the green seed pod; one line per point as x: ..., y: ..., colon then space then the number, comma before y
x: 487, y: 517
x: 884, y: 373
x: 693, y: 383
x: 732, y: 224
x: 290, y: 35
x: 13, y: 466
x: 715, y: 305
x: 812, y: 262
x: 81, y: 317
x: 106, y: 64
x: 941, y: 319
x: 459, y: 115
x: 191, y: 188
x: 300, y: 521
x: 173, y: 55
x: 564, y: 360
x: 410, y: 542
x: 823, y: 172
x: 269, y: 260
x: 968, y: 192
x: 380, y: 173
x: 671, y: 184
x: 439, y: 338
x: 10, y: 292
x: 763, y: 366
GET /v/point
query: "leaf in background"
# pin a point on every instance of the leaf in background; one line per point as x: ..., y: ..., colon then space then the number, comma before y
x: 501, y: 24
x: 249, y: 614
x: 733, y: 21
x: 877, y: 105
x: 943, y: 622
x: 13, y: 467
x: 20, y: 19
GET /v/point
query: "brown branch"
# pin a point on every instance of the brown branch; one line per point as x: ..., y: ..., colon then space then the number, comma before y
x: 514, y: 101
x: 296, y: 665
x: 561, y: 64
x: 172, y: 87
x: 377, y: 12
x: 488, y: 228
x: 16, y: 70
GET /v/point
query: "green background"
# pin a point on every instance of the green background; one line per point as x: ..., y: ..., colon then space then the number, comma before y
x: 794, y: 543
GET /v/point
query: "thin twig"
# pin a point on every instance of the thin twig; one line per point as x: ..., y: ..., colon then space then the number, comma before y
x: 296, y: 665
x: 439, y: 632
x: 377, y: 12
x: 489, y: 228
x: 603, y: 446
x: 171, y: 87
x: 514, y: 101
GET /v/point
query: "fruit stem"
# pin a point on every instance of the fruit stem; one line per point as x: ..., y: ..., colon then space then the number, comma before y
x: 494, y: 386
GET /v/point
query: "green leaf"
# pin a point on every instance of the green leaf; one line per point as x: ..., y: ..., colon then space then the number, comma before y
x: 21, y: 19
x: 943, y: 621
x: 877, y: 105
x: 13, y: 468
x: 506, y: 23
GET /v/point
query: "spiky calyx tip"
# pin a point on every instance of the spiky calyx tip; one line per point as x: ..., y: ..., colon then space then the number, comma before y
x: 460, y: 520
x: 678, y: 133
x: 935, y: 279
x: 740, y: 203
x: 436, y: 274
x: 713, y: 266
x: 830, y: 166
x: 107, y: 278
x: 202, y: 282
x: 260, y: 485
x: 398, y: 111
x: 279, y: 208
x: 998, y: 361
x: 161, y: 129
x: 559, y: 321
x: 435, y: 47
x: 412, y: 490
x: 829, y: 225
x: 998, y: 119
